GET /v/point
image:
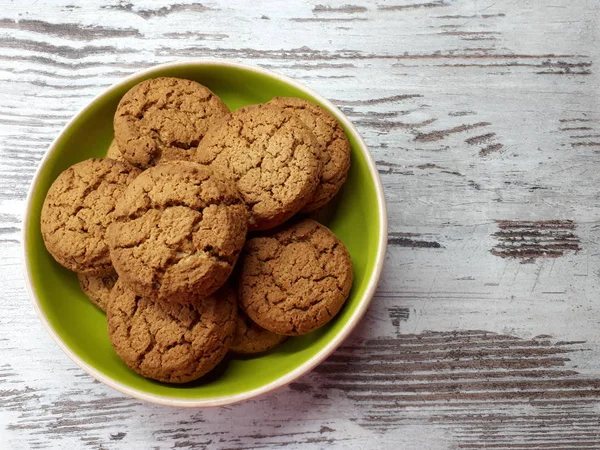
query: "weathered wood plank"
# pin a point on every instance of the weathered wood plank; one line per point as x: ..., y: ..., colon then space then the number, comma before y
x: 483, y: 119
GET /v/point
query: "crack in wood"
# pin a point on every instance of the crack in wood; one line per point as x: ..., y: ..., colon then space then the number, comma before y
x: 407, y: 240
x: 455, y: 371
x: 439, y: 135
x: 346, y: 9
x: 483, y: 138
x: 489, y: 149
x: 473, y: 16
x: 529, y: 240
x: 427, y: 5
x: 68, y: 30
x: 585, y: 144
x: 159, y: 12
x: 328, y: 19
x: 377, y: 101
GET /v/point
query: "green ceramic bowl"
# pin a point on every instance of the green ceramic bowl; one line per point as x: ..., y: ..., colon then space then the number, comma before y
x: 357, y: 216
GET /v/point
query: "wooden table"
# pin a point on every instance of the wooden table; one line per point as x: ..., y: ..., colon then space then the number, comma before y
x: 484, y: 120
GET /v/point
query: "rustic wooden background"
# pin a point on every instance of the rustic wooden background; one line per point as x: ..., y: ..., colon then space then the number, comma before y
x: 483, y: 117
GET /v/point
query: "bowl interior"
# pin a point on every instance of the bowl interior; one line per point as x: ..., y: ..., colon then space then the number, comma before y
x: 353, y: 216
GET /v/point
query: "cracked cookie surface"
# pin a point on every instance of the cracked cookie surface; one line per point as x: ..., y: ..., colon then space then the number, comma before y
x: 296, y: 279
x: 113, y: 151
x: 77, y: 210
x: 178, y: 231
x: 335, y: 154
x: 272, y: 157
x: 250, y: 338
x: 171, y: 342
x: 98, y: 288
x: 164, y: 119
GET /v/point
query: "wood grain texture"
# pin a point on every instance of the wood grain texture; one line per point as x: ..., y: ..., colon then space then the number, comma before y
x: 483, y: 119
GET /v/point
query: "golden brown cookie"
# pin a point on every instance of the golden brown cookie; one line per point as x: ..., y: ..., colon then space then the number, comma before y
x: 98, y: 288
x: 251, y: 338
x: 335, y: 155
x: 271, y: 155
x: 113, y: 151
x: 164, y: 119
x: 78, y: 208
x: 177, y: 232
x: 295, y: 280
x: 167, y: 341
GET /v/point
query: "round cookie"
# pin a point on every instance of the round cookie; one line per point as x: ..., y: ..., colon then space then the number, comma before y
x: 272, y: 157
x: 295, y: 280
x: 78, y: 208
x: 98, y: 289
x: 113, y: 151
x: 177, y: 232
x: 335, y: 155
x: 251, y: 338
x: 167, y: 341
x: 163, y: 119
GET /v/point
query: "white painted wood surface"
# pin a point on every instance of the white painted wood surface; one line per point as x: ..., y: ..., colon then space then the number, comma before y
x: 484, y: 119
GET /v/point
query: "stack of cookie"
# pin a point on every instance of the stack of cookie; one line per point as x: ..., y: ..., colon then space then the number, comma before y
x: 156, y: 229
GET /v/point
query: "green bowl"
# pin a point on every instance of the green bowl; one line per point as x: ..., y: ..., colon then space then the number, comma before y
x: 357, y: 216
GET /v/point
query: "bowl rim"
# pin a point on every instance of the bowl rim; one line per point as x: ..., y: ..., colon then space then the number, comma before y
x: 289, y: 377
